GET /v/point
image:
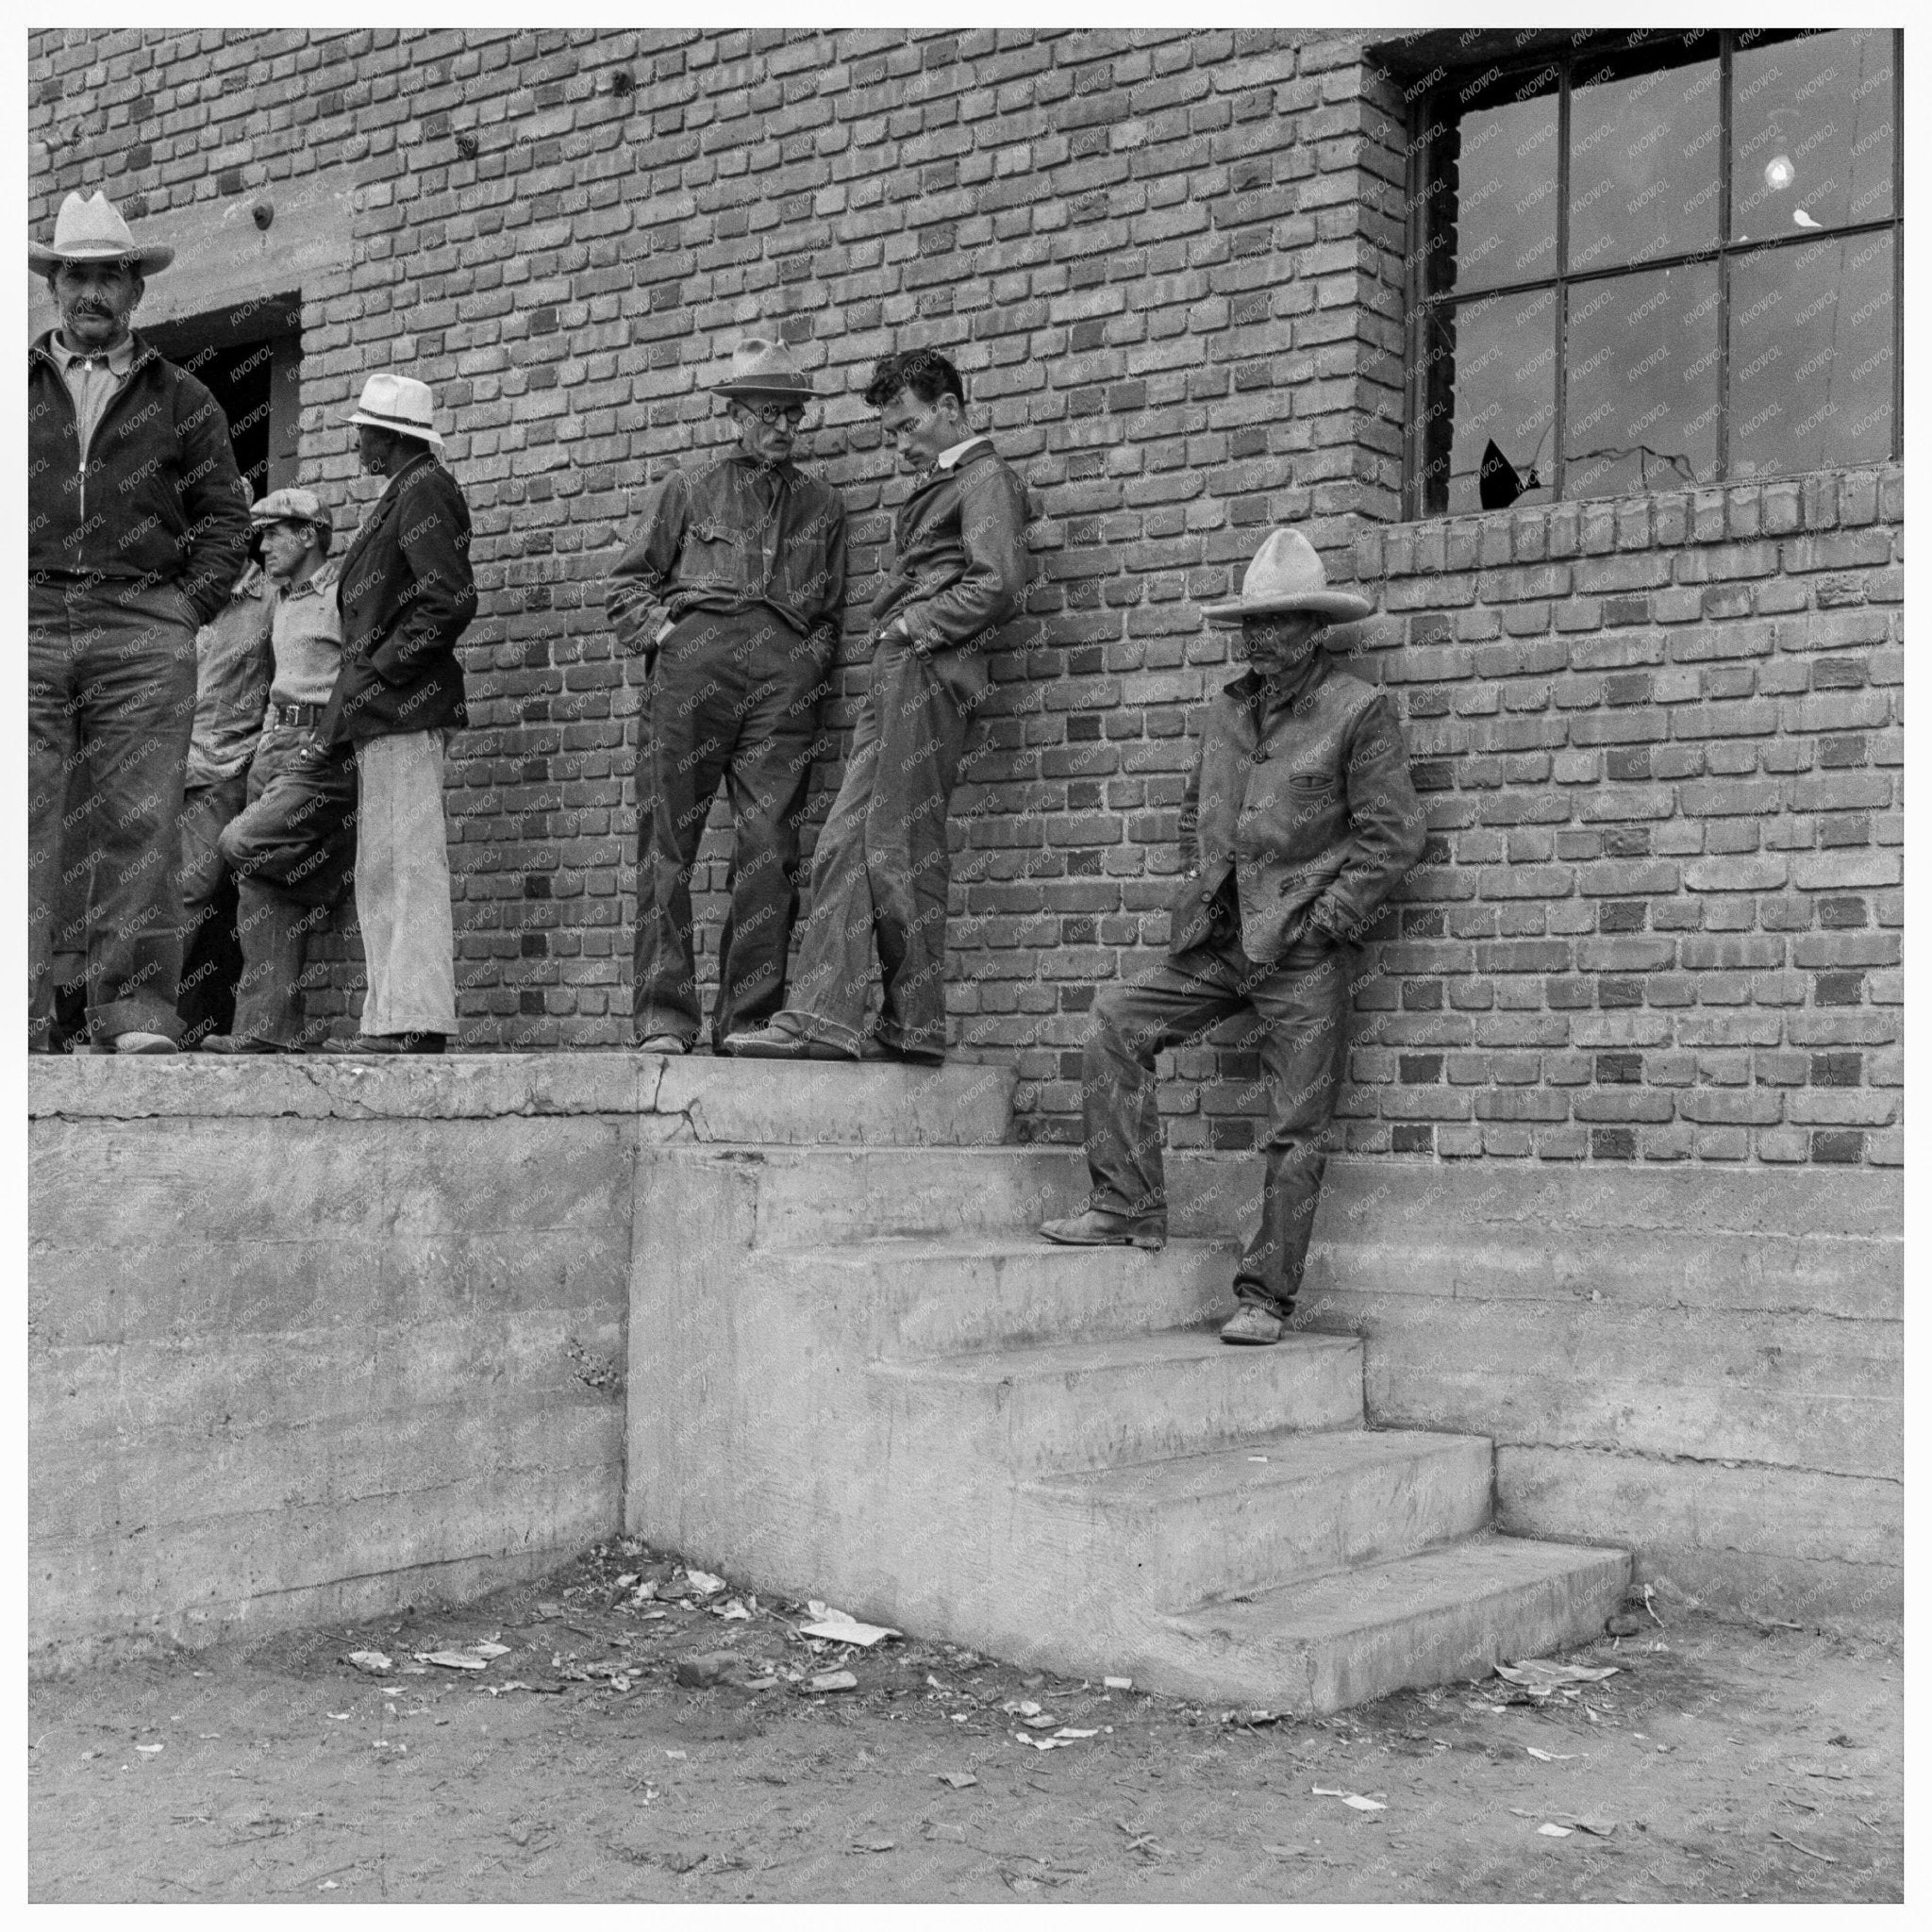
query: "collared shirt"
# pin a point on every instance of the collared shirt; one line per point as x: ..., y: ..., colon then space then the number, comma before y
x: 92, y: 381
x: 230, y: 682
x: 307, y: 639
x: 947, y: 458
x: 730, y: 537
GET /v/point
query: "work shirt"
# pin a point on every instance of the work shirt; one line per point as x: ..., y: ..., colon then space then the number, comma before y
x: 1301, y: 801
x: 958, y: 563
x: 93, y: 381
x: 734, y: 536
x: 230, y: 682
x: 307, y: 639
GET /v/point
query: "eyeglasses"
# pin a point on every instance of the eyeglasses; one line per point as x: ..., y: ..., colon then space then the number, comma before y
x: 771, y: 413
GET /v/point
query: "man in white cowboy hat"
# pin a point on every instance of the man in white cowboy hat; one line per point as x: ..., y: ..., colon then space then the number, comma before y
x: 1298, y: 821
x: 733, y: 590
x: 293, y: 846
x: 406, y: 595
x: 137, y: 528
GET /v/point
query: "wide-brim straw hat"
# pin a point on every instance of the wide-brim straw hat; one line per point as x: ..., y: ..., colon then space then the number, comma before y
x: 400, y: 402
x: 92, y: 230
x: 1287, y: 577
x: 764, y: 368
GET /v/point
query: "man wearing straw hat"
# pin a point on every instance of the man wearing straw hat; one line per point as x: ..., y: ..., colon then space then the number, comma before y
x: 137, y: 528
x: 1298, y: 821
x: 733, y: 590
x: 406, y: 595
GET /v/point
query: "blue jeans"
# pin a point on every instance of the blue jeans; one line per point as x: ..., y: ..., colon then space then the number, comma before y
x: 110, y: 706
x: 1297, y: 1011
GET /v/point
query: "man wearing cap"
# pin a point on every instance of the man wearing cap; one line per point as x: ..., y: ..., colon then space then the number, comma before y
x: 137, y: 528
x: 733, y: 590
x: 293, y: 847
x: 406, y: 595
x: 1297, y: 823
x: 879, y: 877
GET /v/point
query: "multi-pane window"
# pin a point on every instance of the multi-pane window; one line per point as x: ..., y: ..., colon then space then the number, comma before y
x: 1675, y: 260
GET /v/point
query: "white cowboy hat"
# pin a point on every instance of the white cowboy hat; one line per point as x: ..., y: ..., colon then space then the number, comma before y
x: 93, y: 230
x: 1286, y: 575
x: 764, y: 368
x: 399, y: 403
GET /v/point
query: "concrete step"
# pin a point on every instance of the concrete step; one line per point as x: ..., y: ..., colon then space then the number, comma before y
x: 898, y: 1298
x: 1431, y: 1618
x: 1275, y: 1509
x: 1123, y: 1399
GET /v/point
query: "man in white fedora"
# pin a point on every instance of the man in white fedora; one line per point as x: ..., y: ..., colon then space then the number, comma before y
x: 733, y: 591
x: 137, y: 528
x: 1297, y: 823
x: 406, y: 595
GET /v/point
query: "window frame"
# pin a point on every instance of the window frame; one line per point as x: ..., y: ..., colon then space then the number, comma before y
x: 1578, y: 54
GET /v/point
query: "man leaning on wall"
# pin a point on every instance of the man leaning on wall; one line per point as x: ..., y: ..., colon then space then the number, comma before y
x: 405, y: 596
x: 733, y: 590
x: 137, y: 528
x: 880, y: 877
x: 1298, y: 821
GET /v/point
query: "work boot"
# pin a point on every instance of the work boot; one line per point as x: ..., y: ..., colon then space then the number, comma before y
x: 1106, y: 1227
x: 1252, y: 1325
x: 780, y: 1041
x: 663, y: 1042
x: 143, y: 1043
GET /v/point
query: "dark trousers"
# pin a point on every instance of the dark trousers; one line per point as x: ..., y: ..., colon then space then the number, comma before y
x: 293, y: 849
x: 1297, y: 1009
x: 732, y: 699
x: 210, y: 957
x: 110, y: 707
x: 880, y: 875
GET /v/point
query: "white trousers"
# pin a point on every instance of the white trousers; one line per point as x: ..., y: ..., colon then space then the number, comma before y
x: 402, y: 886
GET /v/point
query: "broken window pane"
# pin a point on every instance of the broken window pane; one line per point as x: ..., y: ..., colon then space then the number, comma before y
x: 1505, y: 388
x: 1812, y: 356
x: 1642, y: 382
x: 1812, y: 134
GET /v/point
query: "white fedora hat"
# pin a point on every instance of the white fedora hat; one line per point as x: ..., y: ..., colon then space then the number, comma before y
x: 764, y: 368
x: 92, y: 230
x: 1286, y: 575
x: 399, y: 403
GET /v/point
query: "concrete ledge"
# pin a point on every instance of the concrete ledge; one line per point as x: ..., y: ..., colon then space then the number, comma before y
x: 689, y: 1098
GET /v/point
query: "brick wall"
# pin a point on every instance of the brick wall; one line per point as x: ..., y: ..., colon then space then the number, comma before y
x: 1659, y: 917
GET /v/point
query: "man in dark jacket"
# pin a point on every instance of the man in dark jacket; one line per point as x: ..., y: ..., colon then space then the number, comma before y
x: 1298, y: 822
x: 880, y: 878
x: 137, y: 527
x: 734, y: 590
x: 405, y: 596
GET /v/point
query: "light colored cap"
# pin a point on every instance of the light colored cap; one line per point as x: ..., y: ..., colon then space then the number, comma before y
x: 92, y: 230
x: 399, y: 403
x: 291, y: 506
x: 764, y: 368
x: 1286, y: 575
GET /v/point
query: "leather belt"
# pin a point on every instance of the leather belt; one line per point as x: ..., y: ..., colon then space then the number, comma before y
x: 291, y: 717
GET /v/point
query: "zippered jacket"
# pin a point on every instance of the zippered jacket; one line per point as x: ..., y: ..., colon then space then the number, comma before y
x: 160, y: 500
x: 1309, y: 808
x: 706, y: 541
x: 406, y: 595
x: 959, y: 564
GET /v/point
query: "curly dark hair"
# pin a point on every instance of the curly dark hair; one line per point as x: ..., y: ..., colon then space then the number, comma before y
x: 924, y: 371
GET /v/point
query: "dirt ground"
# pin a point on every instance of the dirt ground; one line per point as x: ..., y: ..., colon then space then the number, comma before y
x: 1720, y: 1762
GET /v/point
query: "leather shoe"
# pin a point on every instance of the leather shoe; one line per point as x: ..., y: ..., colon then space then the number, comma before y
x: 388, y: 1042
x: 1252, y: 1325
x: 663, y: 1042
x: 781, y: 1043
x: 240, y: 1043
x: 1104, y: 1227
x: 874, y: 1048
x: 143, y: 1043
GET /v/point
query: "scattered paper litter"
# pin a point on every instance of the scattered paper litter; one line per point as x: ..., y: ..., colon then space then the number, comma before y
x: 957, y: 1779
x: 704, y: 1582
x: 1020, y: 1707
x: 1353, y: 1799
x: 1540, y: 1675
x: 149, y: 1750
x: 453, y: 1660
x: 1553, y: 1830
x: 1117, y: 1683
x: 1597, y: 1827
x: 733, y: 1611
x: 1549, y: 1756
x: 837, y: 1628
x: 372, y: 1663
x: 487, y: 1650
x: 1068, y: 1731
x: 1286, y: 1851
x: 835, y: 1680
x: 1042, y: 1743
